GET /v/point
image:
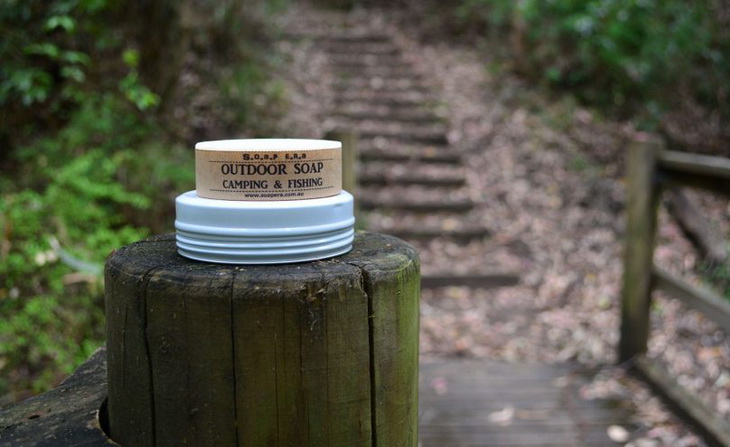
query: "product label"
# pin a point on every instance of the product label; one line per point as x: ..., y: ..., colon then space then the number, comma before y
x: 268, y: 175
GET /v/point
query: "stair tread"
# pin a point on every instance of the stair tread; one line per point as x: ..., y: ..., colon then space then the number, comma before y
x: 416, y: 204
x: 363, y: 48
x: 375, y: 97
x: 397, y: 138
x: 411, y: 173
x: 391, y: 128
x: 351, y: 58
x: 483, y: 280
x: 382, y: 149
x: 383, y: 84
x: 336, y: 37
x: 387, y: 72
x: 421, y: 115
x: 477, y: 258
x: 418, y: 233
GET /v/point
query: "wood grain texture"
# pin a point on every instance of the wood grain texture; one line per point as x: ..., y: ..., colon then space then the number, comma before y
x: 705, y: 165
x: 489, y: 403
x: 65, y: 416
x: 643, y: 200
x: 189, y: 334
x: 696, y: 170
x: 322, y: 353
x: 714, y: 428
x: 393, y: 287
x: 302, y: 363
x: 700, y: 299
x: 125, y: 303
x: 463, y: 402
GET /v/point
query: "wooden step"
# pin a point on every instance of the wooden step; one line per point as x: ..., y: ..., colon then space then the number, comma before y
x: 425, y: 233
x: 361, y: 59
x: 468, y: 258
x: 408, y: 115
x: 387, y: 72
x: 409, y: 178
x: 362, y: 48
x: 372, y: 151
x: 382, y: 84
x: 399, y: 138
x: 375, y: 97
x: 379, y: 173
x: 418, y: 227
x: 359, y: 38
x: 329, y: 38
x: 416, y: 204
x: 416, y: 198
x: 480, y: 280
x: 388, y: 128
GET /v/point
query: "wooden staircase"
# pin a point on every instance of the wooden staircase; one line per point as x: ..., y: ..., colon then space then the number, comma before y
x: 412, y: 181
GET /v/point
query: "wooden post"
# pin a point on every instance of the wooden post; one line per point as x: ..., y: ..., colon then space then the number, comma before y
x: 350, y: 161
x: 642, y: 201
x: 309, y: 354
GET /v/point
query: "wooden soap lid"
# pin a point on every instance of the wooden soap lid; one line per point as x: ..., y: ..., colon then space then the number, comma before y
x: 268, y: 169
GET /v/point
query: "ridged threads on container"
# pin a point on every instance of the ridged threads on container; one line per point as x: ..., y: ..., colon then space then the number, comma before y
x: 257, y: 229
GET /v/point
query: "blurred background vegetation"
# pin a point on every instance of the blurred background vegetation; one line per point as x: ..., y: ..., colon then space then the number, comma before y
x: 100, y: 104
x: 634, y: 58
x: 102, y: 101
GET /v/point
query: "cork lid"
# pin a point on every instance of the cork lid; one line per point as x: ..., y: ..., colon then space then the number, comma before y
x: 268, y: 169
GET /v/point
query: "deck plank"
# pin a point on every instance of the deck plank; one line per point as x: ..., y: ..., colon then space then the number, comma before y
x: 487, y: 403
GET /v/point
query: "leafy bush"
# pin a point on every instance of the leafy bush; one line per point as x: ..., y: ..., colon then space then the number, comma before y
x: 50, y: 51
x: 622, y: 53
x: 94, y: 153
x: 67, y: 211
x: 718, y: 276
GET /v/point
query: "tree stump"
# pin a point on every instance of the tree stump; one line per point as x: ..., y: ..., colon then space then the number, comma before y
x: 318, y: 353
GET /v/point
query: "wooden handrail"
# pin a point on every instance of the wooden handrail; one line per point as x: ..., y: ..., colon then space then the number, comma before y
x: 706, y: 165
x: 650, y: 170
x: 696, y: 170
x: 712, y: 426
x: 702, y: 300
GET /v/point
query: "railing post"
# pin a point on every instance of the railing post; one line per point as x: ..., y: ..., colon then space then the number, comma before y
x: 316, y: 353
x: 642, y: 191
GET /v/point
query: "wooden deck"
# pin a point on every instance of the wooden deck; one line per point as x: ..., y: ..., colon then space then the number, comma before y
x: 487, y: 403
x: 462, y: 403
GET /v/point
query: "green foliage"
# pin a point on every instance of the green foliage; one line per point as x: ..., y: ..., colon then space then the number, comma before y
x: 38, y: 55
x: 90, y: 162
x: 719, y: 277
x: 52, y: 317
x: 133, y: 89
x: 51, y: 53
x: 265, y: 98
x: 622, y: 53
x: 58, y: 224
x: 76, y: 201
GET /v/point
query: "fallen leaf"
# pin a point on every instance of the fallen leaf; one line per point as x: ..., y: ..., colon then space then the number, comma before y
x: 618, y: 434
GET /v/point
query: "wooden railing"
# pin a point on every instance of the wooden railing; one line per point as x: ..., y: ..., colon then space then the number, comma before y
x: 651, y: 169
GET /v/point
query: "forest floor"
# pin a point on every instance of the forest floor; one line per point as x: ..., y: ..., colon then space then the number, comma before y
x: 547, y: 177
